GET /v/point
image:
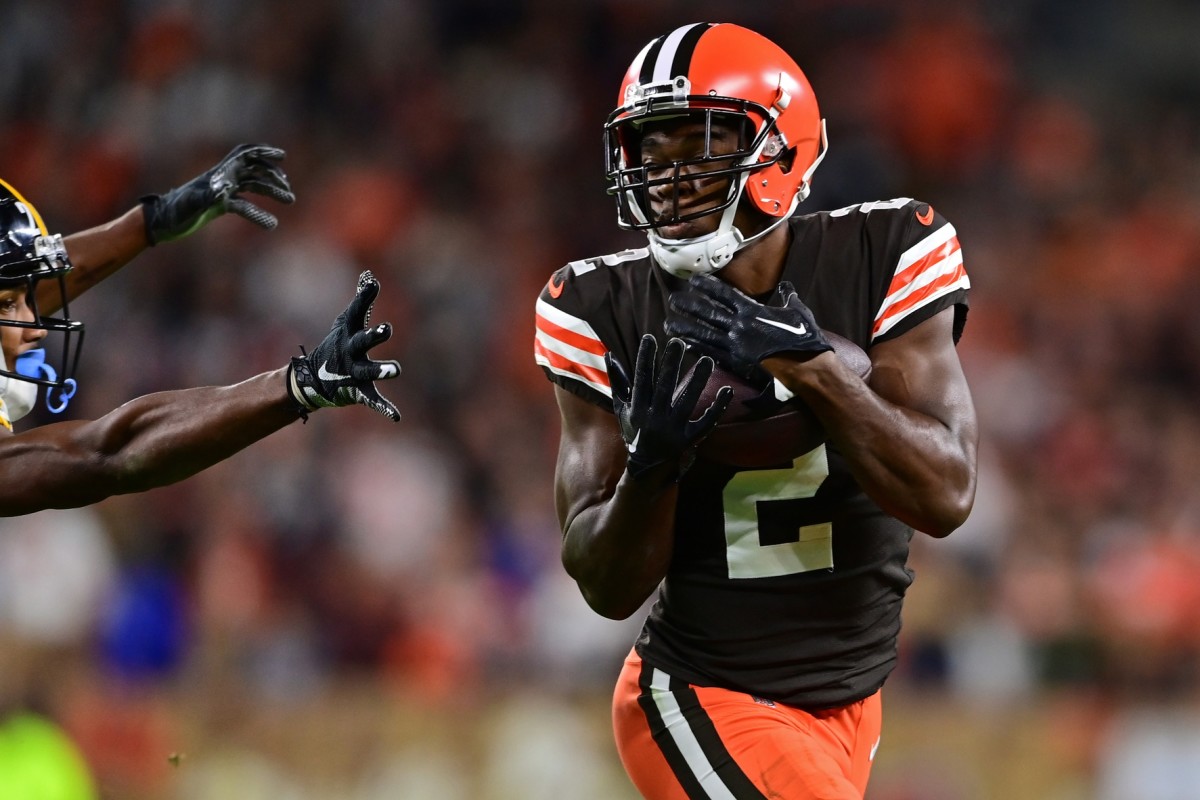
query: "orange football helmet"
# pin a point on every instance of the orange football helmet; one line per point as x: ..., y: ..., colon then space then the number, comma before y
x: 734, y: 73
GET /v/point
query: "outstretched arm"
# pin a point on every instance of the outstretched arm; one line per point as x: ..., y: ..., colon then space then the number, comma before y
x: 95, y: 254
x: 98, y: 252
x: 162, y: 438
x: 152, y: 441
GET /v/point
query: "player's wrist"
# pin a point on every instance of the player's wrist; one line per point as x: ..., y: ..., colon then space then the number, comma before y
x: 151, y: 206
x: 654, y: 477
x: 298, y: 380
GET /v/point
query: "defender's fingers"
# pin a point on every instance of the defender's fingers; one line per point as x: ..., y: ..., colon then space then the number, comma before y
x: 370, y: 397
x: 274, y: 187
x: 360, y: 306
x: 367, y: 338
x: 368, y: 371
x: 247, y: 210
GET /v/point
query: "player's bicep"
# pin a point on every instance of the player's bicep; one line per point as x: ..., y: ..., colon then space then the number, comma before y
x: 920, y: 371
x: 591, y: 456
x: 49, y: 467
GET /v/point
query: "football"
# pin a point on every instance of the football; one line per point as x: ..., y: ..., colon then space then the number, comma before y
x: 759, y: 431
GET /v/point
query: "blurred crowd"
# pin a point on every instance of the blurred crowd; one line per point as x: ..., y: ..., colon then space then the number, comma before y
x: 357, y: 610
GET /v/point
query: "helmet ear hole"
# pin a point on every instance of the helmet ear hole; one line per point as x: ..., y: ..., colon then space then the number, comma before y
x: 787, y: 160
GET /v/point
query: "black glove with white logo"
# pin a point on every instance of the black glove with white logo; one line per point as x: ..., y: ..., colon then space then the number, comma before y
x: 739, y: 332
x: 655, y: 411
x: 186, y: 209
x: 338, y: 372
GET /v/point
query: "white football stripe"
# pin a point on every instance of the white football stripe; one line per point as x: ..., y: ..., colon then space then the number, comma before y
x: 924, y: 247
x: 934, y: 271
x: 571, y: 353
x: 685, y: 739
x: 961, y: 283
x: 666, y: 54
x: 564, y: 320
x: 599, y: 387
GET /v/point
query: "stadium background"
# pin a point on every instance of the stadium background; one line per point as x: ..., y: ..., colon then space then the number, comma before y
x: 357, y: 610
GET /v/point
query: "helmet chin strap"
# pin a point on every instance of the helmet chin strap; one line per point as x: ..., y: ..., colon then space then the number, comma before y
x: 704, y: 255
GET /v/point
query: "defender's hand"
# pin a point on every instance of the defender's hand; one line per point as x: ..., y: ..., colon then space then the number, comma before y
x: 338, y: 372
x: 655, y: 410
x: 186, y: 209
x: 721, y: 321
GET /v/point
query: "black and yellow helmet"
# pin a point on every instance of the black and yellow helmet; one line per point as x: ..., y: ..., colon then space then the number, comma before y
x: 30, y: 254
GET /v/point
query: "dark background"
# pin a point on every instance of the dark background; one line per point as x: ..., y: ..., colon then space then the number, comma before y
x: 358, y: 610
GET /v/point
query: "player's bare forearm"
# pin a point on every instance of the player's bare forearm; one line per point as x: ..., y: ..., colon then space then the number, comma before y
x: 152, y: 441
x: 618, y: 533
x: 96, y: 254
x: 618, y: 550
x: 910, y: 437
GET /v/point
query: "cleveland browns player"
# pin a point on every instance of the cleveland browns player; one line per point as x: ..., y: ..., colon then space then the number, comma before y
x: 758, y: 671
x: 159, y: 438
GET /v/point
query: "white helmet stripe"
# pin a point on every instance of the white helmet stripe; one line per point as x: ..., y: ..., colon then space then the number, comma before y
x: 671, y: 55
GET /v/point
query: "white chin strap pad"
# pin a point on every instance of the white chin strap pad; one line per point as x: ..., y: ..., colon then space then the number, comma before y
x: 702, y: 255
x: 706, y: 254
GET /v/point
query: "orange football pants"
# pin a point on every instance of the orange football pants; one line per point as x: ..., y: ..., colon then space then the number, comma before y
x: 684, y: 742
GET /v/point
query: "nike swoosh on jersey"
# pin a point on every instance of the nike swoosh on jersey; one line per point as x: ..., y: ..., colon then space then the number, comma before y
x: 801, y: 331
x: 324, y: 374
x: 555, y: 287
x: 927, y: 217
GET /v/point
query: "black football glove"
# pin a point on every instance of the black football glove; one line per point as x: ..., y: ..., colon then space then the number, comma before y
x: 739, y: 332
x: 186, y: 209
x: 655, y: 410
x: 338, y: 372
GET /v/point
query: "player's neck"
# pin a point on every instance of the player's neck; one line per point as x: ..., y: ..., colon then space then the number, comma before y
x: 757, y: 269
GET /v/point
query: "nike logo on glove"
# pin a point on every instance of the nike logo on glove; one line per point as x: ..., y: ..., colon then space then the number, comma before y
x: 325, y: 375
x: 801, y: 331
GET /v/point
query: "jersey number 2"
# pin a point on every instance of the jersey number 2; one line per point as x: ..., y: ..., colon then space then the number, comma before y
x: 770, y: 527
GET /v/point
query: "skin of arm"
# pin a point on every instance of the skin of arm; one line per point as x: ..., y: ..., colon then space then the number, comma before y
x: 148, y: 442
x: 618, y: 533
x: 910, y: 435
x: 96, y: 254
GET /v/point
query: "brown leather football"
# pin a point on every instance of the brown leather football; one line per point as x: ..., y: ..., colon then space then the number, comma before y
x: 758, y: 431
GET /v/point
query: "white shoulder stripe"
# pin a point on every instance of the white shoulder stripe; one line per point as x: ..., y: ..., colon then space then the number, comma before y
x: 933, y: 272
x: 571, y: 353
x: 924, y: 247
x: 961, y: 283
x: 564, y: 320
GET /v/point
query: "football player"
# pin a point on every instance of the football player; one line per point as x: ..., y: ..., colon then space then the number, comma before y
x: 759, y: 668
x: 159, y: 438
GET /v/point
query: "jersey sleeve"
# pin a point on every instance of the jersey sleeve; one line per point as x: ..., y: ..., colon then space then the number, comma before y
x: 921, y: 274
x: 567, y: 345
